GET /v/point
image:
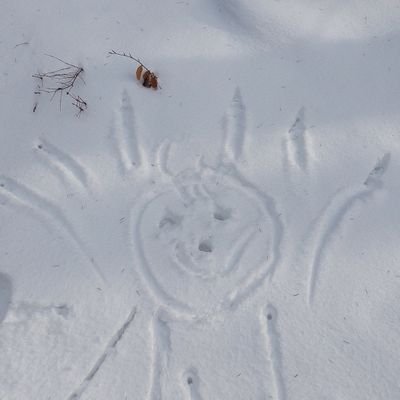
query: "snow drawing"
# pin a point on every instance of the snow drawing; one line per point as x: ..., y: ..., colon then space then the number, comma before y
x: 202, y: 240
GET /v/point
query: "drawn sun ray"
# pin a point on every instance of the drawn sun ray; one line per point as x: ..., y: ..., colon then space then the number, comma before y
x: 333, y: 214
x: 39, y: 204
x: 66, y: 164
x: 128, y: 152
x: 162, y: 157
x: 234, y: 128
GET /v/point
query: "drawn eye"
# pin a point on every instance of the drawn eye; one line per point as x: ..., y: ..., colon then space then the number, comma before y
x: 222, y: 214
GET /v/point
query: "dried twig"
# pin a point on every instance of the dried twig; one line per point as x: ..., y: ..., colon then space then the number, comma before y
x: 128, y: 55
x: 78, y: 102
x: 62, y: 81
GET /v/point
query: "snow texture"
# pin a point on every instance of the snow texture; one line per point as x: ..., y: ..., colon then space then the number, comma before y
x: 231, y: 235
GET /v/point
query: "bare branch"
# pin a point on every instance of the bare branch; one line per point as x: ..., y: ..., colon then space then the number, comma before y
x: 59, y: 59
x: 129, y: 55
x: 78, y: 102
x: 62, y: 80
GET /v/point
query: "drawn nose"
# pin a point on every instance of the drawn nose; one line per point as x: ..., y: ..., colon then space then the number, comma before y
x: 206, y: 246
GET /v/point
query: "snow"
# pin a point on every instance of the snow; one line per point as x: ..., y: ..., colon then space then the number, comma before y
x: 232, y: 235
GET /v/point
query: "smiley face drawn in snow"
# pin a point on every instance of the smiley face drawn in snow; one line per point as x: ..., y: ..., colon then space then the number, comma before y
x: 205, y: 239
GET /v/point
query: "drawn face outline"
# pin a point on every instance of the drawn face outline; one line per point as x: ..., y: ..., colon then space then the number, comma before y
x: 179, y: 238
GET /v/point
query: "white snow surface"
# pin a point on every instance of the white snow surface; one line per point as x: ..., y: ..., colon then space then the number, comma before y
x: 231, y: 235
